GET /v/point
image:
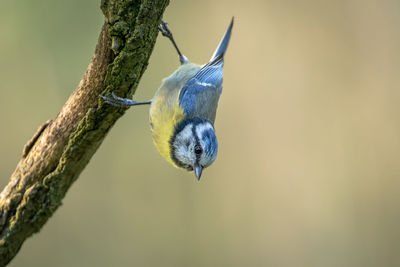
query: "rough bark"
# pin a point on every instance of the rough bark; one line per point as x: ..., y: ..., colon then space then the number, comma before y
x: 55, y: 156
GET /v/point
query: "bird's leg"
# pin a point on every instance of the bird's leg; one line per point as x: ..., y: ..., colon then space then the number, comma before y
x: 122, y: 102
x: 165, y: 31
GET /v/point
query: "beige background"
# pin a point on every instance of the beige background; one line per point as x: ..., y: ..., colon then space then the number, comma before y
x: 308, y: 125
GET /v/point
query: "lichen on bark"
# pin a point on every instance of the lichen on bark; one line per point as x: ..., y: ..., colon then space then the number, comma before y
x: 60, y: 150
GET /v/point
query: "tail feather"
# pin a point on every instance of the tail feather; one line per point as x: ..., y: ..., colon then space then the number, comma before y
x: 223, y: 45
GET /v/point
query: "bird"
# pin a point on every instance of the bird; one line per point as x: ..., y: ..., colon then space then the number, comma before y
x: 183, y: 109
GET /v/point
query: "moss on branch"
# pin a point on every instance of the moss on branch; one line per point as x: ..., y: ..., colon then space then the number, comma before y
x: 61, y: 149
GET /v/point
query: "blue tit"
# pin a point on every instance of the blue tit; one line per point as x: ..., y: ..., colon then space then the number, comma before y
x: 182, y: 111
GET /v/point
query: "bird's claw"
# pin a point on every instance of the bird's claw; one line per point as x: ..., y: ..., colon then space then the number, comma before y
x: 122, y: 102
x: 165, y: 31
x: 114, y: 100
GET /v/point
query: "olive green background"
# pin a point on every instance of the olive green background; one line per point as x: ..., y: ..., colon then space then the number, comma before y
x: 308, y: 171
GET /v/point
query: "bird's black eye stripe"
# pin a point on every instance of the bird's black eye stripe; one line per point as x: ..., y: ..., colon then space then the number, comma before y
x: 198, y: 150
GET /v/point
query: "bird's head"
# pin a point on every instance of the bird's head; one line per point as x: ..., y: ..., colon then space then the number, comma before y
x: 194, y: 145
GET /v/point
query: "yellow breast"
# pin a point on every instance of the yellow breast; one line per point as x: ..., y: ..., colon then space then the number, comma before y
x: 163, y: 120
x: 165, y: 112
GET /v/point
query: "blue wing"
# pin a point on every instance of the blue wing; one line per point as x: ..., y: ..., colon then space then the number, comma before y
x: 199, y: 96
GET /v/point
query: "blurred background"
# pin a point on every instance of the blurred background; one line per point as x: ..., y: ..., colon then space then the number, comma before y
x: 308, y: 171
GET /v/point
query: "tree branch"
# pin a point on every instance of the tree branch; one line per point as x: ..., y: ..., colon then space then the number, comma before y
x: 55, y: 156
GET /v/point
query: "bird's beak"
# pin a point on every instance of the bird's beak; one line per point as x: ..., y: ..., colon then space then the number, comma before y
x: 197, y: 171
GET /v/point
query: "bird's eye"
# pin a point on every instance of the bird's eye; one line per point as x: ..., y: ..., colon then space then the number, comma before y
x: 198, y: 150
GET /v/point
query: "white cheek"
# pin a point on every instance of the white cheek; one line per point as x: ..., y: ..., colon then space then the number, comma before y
x: 204, y: 161
x: 183, y: 152
x: 185, y: 134
x: 184, y: 155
